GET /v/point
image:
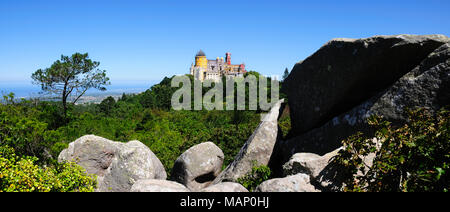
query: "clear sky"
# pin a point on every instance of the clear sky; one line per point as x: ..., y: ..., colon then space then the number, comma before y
x: 147, y: 40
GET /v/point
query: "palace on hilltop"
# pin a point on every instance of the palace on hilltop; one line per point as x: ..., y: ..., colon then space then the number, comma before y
x: 214, y: 70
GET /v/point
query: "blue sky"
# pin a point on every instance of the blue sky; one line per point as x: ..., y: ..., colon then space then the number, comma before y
x: 147, y: 40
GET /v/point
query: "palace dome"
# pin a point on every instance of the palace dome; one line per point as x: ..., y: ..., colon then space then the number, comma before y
x: 200, y: 53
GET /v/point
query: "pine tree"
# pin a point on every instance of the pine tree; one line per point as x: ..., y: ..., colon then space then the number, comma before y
x: 285, y: 74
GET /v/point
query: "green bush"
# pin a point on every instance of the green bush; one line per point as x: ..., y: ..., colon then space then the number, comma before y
x: 258, y: 175
x: 412, y: 158
x: 20, y: 129
x: 285, y: 125
x: 230, y: 139
x: 21, y: 174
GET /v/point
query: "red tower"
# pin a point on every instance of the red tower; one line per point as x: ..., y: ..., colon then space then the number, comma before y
x: 228, y: 58
x: 242, y: 67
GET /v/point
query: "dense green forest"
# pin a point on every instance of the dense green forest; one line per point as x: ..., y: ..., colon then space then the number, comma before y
x: 41, y: 129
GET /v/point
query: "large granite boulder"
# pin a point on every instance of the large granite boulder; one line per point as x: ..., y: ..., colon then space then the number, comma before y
x: 198, y: 166
x: 225, y: 187
x: 258, y: 148
x: 319, y: 169
x: 301, y: 163
x: 347, y: 72
x: 427, y: 85
x: 154, y: 185
x: 323, y: 173
x: 117, y: 165
x: 294, y: 183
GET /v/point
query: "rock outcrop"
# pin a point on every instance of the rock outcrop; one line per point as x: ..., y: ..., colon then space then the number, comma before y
x: 323, y: 174
x: 414, y: 73
x: 117, y: 165
x: 258, y: 148
x: 294, y: 183
x: 198, y: 166
x: 318, y: 168
x: 225, y: 187
x: 301, y: 163
x: 346, y: 72
x: 154, y: 185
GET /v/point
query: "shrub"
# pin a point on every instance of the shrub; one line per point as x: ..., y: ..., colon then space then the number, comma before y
x: 21, y: 174
x: 19, y: 129
x: 285, y: 125
x: 258, y: 175
x: 415, y: 157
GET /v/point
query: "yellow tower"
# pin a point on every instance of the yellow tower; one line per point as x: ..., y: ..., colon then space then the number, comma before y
x: 200, y: 60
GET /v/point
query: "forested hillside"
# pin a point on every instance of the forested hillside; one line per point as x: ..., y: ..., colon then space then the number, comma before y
x: 39, y: 129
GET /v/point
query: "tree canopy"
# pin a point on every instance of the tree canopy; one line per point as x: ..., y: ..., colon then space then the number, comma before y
x: 71, y: 77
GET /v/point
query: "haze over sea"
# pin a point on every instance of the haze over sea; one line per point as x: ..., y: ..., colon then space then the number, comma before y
x: 25, y: 89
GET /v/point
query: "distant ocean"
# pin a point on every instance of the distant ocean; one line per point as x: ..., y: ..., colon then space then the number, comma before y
x: 24, y: 89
